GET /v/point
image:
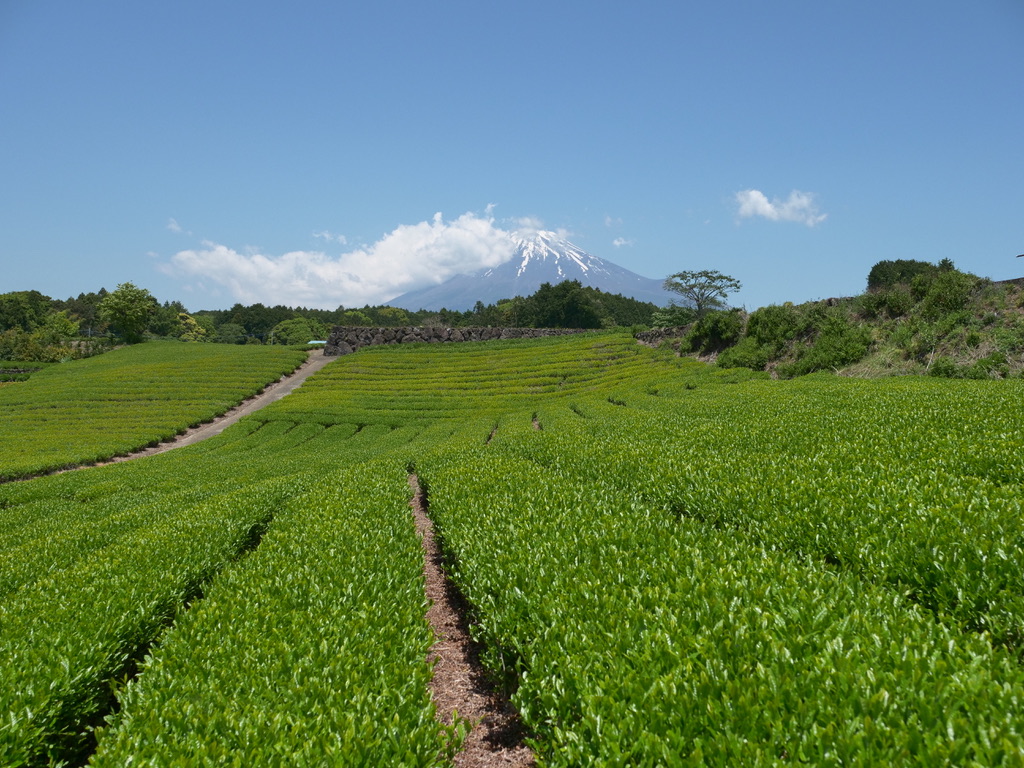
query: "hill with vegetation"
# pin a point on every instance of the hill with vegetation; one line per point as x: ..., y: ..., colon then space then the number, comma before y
x: 914, y: 318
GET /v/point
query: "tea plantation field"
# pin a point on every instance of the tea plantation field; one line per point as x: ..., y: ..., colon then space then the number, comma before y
x: 93, y: 409
x: 667, y: 564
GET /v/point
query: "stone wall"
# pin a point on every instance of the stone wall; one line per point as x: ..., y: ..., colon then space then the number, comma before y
x: 345, y: 340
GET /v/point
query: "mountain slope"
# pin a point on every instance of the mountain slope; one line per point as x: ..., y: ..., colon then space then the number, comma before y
x: 542, y: 257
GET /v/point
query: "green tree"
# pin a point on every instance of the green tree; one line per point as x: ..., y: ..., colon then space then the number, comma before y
x: 565, y: 305
x: 230, y: 333
x: 356, y: 318
x: 515, y: 312
x: 259, y: 320
x: 128, y: 310
x: 191, y: 330
x: 85, y: 309
x: 25, y: 310
x: 58, y: 328
x: 298, y: 330
x: 393, y: 316
x: 166, y: 320
x: 705, y: 289
x: 206, y: 323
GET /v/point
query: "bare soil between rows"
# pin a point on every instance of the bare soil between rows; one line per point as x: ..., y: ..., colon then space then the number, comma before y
x: 460, y: 683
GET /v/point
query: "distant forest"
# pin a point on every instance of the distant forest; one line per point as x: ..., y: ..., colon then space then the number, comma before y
x: 36, y: 327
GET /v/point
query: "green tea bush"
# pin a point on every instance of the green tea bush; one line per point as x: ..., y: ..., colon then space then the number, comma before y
x: 684, y: 566
x: 69, y: 636
x: 93, y: 409
x: 328, y: 617
x: 713, y: 648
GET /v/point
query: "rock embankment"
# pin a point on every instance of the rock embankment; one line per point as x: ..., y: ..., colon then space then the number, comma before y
x: 345, y: 340
x: 655, y: 336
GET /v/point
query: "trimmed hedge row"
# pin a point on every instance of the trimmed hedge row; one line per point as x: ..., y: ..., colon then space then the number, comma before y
x: 311, y: 653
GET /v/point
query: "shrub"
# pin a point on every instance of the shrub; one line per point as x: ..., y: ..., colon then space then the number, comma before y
x: 889, y: 273
x: 746, y: 353
x: 949, y: 292
x: 898, y: 301
x: 774, y: 325
x: 715, y: 331
x: 673, y: 316
x: 993, y: 366
x: 1009, y: 338
x: 838, y: 343
x: 895, y: 301
x: 298, y: 330
x: 944, y: 367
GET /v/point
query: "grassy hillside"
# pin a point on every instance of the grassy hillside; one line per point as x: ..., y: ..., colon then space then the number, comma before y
x: 925, y: 319
x: 668, y: 563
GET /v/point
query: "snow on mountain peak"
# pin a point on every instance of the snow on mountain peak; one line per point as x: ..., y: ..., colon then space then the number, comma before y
x: 539, y: 256
x: 540, y: 244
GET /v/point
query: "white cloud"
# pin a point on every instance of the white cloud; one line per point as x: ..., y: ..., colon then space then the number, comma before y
x: 412, y: 256
x: 176, y: 228
x: 330, y: 237
x: 618, y: 242
x: 799, y: 206
x: 527, y: 226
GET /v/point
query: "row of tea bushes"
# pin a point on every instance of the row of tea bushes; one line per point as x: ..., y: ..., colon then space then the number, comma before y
x: 632, y: 637
x: 67, y: 637
x: 890, y: 484
x: 311, y: 652
x: 421, y: 384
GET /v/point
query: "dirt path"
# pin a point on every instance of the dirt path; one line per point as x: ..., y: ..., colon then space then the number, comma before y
x: 274, y: 391
x: 460, y: 683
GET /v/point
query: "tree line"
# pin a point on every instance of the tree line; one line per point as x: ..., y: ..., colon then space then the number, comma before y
x: 34, y: 326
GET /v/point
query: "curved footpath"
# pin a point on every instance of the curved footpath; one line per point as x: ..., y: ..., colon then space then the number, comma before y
x: 275, y: 391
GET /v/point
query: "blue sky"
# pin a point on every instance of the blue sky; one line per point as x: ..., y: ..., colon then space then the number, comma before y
x: 326, y: 154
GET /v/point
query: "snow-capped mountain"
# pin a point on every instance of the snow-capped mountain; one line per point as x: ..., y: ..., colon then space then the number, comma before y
x: 540, y: 257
